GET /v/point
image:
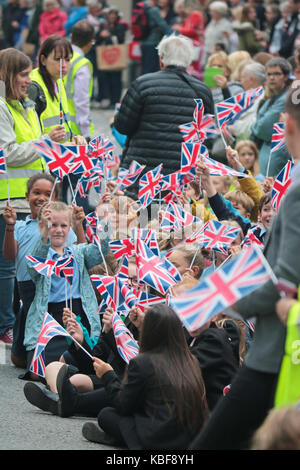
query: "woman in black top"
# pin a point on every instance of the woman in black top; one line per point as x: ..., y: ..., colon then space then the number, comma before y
x: 161, y: 403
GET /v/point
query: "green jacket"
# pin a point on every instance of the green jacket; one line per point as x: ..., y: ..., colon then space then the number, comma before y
x: 158, y: 26
x: 247, y: 38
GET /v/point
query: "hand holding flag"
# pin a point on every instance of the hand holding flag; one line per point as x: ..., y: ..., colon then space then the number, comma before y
x: 50, y: 328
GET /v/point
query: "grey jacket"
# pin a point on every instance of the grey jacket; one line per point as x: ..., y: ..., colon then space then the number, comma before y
x: 282, y: 251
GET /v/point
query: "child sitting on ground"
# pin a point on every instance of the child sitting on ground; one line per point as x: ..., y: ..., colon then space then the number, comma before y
x: 50, y: 295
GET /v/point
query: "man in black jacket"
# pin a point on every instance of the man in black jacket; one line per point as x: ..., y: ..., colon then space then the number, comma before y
x: 156, y: 104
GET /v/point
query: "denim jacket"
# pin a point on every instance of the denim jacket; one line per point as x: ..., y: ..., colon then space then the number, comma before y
x: 86, y: 256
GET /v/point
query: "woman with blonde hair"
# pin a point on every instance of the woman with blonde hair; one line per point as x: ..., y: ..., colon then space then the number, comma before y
x: 236, y: 61
x: 224, y: 87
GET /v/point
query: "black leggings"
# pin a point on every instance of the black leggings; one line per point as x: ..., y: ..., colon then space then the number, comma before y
x: 109, y: 421
x: 237, y: 415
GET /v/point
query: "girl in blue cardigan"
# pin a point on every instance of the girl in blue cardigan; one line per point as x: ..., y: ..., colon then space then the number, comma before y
x: 51, y: 291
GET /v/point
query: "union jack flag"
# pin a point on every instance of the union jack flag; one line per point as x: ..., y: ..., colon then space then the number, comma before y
x: 151, y: 269
x: 49, y: 329
x: 42, y: 266
x: 87, y: 181
x: 100, y: 146
x: 148, y: 236
x: 278, y: 136
x: 122, y: 247
x: 175, y: 183
x: 146, y: 300
x: 122, y: 174
x: 281, y: 184
x: 112, y: 160
x: 198, y: 113
x: 126, y: 344
x: 100, y: 284
x: 2, y: 162
x: 251, y: 239
x: 64, y: 267
x: 93, y: 227
x: 225, y: 286
x: 202, y: 127
x: 172, y: 182
x: 171, y: 269
x: 115, y: 292
x: 190, y: 155
x: 126, y: 295
x: 175, y: 218
x: 82, y: 161
x: 232, y: 108
x: 195, y: 235
x: 219, y: 169
x: 123, y: 272
x: 149, y: 186
x: 57, y: 156
x: 128, y: 177
x: 217, y: 236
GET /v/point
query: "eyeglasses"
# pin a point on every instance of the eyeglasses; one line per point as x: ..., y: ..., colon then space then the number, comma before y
x: 133, y: 281
x: 274, y: 74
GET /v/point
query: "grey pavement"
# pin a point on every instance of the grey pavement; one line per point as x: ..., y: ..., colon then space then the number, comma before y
x: 25, y: 427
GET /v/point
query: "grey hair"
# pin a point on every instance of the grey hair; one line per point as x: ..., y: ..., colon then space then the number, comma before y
x: 176, y: 50
x: 92, y: 3
x: 256, y: 70
x: 284, y: 6
x: 177, y: 4
x: 279, y: 62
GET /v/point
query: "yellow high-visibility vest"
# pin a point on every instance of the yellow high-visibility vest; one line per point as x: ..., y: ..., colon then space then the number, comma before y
x: 50, y: 117
x: 77, y: 62
x: 25, y: 130
x: 288, y: 386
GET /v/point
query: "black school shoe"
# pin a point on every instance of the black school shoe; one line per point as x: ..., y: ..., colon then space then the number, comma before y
x: 93, y: 433
x: 40, y: 396
x: 68, y: 394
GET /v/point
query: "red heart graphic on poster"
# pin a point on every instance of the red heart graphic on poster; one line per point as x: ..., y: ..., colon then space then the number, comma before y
x: 111, y: 55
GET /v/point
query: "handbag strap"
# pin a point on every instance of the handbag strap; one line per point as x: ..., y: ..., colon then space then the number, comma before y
x: 181, y: 74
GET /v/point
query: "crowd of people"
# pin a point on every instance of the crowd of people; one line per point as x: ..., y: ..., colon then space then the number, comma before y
x: 232, y: 383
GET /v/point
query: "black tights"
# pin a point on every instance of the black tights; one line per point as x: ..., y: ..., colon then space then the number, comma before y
x: 109, y: 421
x: 91, y: 403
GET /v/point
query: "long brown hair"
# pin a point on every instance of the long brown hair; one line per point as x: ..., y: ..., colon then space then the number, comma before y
x: 61, y: 46
x: 177, y: 371
x: 12, y: 62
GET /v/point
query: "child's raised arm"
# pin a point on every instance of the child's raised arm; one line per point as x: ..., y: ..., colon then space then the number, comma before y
x: 10, y: 245
x: 202, y: 173
x: 78, y: 217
